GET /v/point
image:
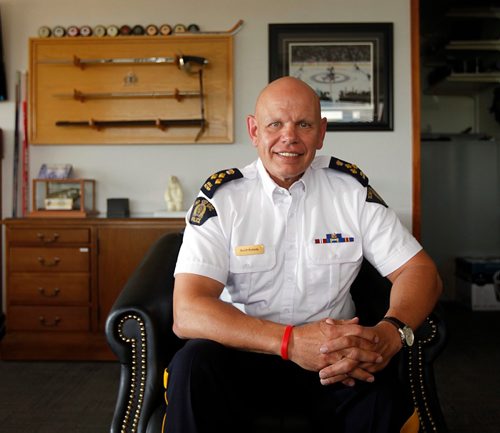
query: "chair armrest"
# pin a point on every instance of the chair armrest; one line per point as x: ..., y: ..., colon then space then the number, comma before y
x: 139, y: 331
x: 416, y: 365
x: 430, y: 340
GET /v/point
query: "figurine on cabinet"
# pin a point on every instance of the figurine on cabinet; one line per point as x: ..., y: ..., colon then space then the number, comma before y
x: 174, y: 195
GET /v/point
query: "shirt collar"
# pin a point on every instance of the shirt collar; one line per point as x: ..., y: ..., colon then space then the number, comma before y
x: 270, y: 186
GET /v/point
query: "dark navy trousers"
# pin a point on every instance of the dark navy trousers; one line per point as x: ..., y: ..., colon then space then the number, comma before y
x: 215, y: 389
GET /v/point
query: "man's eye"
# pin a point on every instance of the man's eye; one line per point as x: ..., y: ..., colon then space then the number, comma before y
x: 275, y: 124
x: 304, y: 124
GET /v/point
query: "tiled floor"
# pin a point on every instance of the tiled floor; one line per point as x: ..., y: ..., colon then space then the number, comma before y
x: 468, y: 371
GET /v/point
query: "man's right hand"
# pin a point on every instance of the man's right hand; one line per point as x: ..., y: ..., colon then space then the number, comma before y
x: 343, y: 344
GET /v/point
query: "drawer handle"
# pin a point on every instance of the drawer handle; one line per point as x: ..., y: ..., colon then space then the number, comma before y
x: 55, y: 292
x: 48, y: 263
x: 43, y: 321
x: 41, y: 237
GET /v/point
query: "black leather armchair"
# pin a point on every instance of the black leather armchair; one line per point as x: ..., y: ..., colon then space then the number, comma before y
x: 139, y: 331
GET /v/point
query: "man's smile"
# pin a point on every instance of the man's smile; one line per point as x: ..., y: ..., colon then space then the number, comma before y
x: 288, y: 154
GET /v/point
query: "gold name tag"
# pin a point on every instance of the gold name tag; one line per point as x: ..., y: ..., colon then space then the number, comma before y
x: 249, y: 250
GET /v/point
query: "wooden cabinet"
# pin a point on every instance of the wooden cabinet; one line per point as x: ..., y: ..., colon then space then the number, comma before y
x: 121, y: 246
x: 63, y: 276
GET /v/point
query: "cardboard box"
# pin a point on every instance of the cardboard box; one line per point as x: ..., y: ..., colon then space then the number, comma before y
x: 484, y: 297
x: 479, y: 270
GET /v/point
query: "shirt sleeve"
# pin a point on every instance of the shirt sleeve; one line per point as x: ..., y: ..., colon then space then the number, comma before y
x: 387, y: 244
x: 203, y: 250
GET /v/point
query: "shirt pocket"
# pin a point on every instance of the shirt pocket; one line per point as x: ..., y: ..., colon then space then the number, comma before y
x: 251, y: 273
x: 330, y: 267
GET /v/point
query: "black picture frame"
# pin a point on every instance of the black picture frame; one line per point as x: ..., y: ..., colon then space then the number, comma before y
x: 350, y: 66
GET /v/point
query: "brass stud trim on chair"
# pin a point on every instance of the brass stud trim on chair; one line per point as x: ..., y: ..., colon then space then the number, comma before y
x: 420, y: 398
x: 138, y: 374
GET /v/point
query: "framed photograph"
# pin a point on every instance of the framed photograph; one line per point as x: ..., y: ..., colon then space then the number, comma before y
x: 55, y: 171
x: 349, y: 65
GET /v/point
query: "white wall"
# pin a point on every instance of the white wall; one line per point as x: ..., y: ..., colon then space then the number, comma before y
x: 140, y: 172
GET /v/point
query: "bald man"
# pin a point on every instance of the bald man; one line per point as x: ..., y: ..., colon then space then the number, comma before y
x: 262, y: 287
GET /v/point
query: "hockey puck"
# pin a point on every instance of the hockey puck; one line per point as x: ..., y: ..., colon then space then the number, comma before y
x: 113, y: 31
x: 138, y: 30
x: 165, y: 29
x: 58, y: 31
x: 73, y: 31
x: 179, y: 28
x: 100, y: 31
x: 86, y: 31
x: 125, y: 30
x: 44, y: 32
x: 151, y: 30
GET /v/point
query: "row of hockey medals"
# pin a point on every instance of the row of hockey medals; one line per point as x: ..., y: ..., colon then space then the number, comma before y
x: 125, y: 30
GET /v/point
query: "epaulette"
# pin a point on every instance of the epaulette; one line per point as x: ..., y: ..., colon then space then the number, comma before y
x: 218, y: 179
x: 372, y: 196
x: 347, y: 167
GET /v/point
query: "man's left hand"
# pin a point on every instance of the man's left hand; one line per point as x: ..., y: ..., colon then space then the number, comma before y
x: 347, y: 369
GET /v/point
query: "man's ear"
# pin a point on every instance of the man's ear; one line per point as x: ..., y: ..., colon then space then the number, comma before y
x: 252, y: 128
x: 323, y: 126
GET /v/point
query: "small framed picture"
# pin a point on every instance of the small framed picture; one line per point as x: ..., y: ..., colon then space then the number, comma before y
x: 349, y: 65
x: 55, y: 171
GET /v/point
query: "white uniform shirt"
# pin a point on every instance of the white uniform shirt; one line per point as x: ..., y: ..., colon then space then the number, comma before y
x: 290, y: 256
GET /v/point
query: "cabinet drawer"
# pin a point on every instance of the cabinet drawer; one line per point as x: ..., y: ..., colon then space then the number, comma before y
x: 48, y: 289
x: 23, y: 259
x: 49, y: 236
x: 48, y: 319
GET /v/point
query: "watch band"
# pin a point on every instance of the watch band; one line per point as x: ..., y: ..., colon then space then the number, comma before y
x: 405, y: 332
x: 396, y: 322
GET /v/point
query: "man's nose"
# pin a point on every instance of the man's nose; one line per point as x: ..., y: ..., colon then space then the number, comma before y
x: 289, y: 133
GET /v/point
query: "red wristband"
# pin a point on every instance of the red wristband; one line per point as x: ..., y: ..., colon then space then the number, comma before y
x: 285, y: 341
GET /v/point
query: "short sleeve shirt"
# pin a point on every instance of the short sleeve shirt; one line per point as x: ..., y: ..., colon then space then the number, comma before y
x: 290, y: 256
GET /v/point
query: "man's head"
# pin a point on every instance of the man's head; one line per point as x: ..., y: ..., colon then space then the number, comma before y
x: 287, y: 129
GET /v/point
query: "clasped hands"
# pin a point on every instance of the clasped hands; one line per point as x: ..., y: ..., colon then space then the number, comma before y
x: 343, y: 350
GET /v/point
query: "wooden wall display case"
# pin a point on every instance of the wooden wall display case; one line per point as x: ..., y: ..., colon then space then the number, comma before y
x: 63, y: 275
x: 131, y: 90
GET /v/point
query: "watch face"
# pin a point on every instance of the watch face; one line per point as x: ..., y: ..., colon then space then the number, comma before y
x: 409, y: 337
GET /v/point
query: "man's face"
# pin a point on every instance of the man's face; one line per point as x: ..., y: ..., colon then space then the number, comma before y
x: 287, y: 129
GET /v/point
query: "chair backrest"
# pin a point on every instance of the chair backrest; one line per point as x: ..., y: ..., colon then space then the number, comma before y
x: 370, y: 293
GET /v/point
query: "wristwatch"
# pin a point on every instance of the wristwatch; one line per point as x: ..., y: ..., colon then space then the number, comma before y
x: 406, y: 333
